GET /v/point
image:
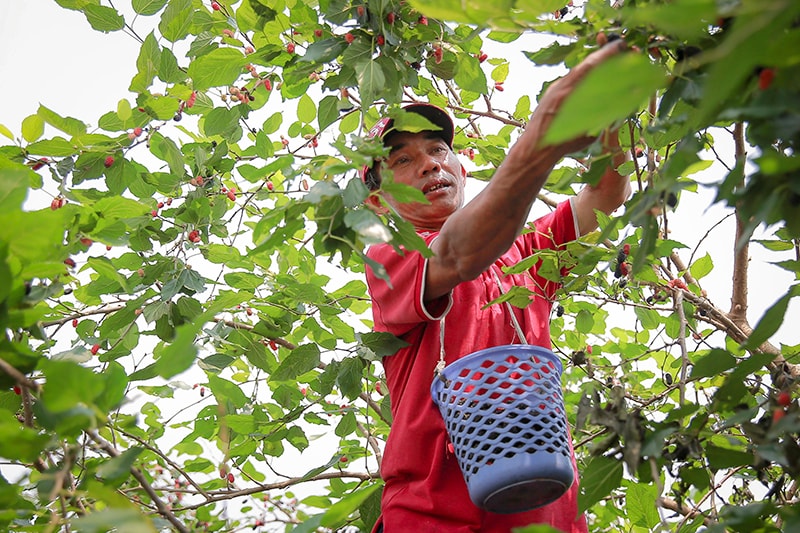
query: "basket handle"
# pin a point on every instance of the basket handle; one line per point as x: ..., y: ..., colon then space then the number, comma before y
x: 439, y: 372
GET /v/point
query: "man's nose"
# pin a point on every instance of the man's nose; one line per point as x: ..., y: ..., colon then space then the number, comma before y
x: 430, y: 164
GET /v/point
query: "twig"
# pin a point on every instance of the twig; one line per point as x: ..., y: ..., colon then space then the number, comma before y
x: 231, y: 494
x: 162, y: 508
x: 18, y: 376
x: 688, y: 512
x: 171, y: 463
x: 682, y: 345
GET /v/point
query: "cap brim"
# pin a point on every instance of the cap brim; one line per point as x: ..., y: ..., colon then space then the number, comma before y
x: 433, y: 114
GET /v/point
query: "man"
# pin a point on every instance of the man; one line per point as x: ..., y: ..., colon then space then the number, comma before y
x: 425, y: 491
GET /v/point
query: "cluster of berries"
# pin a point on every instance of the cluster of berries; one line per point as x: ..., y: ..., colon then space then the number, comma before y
x: 243, y: 94
x: 622, y: 269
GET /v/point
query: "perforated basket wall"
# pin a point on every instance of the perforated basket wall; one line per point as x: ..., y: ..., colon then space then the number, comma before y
x: 504, y: 413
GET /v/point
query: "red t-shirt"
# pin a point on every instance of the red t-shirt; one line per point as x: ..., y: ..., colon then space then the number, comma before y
x: 424, y: 489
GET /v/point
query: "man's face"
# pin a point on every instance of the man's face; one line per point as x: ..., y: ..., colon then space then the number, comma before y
x: 425, y: 162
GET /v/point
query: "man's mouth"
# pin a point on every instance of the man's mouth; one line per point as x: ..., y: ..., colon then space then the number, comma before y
x: 435, y: 187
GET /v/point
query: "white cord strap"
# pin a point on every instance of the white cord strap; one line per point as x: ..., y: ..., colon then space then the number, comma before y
x: 441, y: 364
x: 514, y: 321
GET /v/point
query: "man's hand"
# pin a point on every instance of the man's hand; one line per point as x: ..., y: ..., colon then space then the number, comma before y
x: 552, y: 100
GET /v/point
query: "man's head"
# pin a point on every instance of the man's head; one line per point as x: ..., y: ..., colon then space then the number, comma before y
x: 385, y: 129
x: 423, y: 159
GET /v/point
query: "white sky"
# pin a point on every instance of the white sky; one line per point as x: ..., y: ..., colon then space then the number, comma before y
x: 51, y: 56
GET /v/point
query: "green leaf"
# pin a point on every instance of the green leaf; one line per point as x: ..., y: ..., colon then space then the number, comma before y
x: 104, y: 267
x: 221, y: 121
x: 148, y: 7
x: 641, y: 503
x: 404, y: 193
x: 649, y: 318
x: 217, y: 68
x: 13, y: 188
x: 681, y: 18
x: 225, y: 391
x: 104, y: 18
x: 628, y: 74
x: 584, y: 322
x: 339, y: 512
x: 469, y: 75
x: 114, y: 518
x: 165, y: 149
x: 702, y: 267
x: 118, y: 207
x: 41, y: 240
x: 771, y: 321
x: 601, y: 476
x: 180, y: 353
x: 117, y: 469
x: 6, y: 132
x: 371, y: 81
x: 381, y: 342
x: 715, y: 363
x: 32, y: 128
x: 176, y: 20
x: 491, y: 14
x: 243, y: 280
x: 324, y: 50
x: 68, y: 125
x: 328, y: 112
x: 306, y: 109
x: 302, y: 359
x: 722, y: 458
x: 147, y: 64
x: 368, y: 225
x: 75, y: 385
x: 19, y: 443
x: 350, y: 376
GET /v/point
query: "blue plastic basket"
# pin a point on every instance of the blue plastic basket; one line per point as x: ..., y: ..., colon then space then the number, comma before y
x: 504, y: 413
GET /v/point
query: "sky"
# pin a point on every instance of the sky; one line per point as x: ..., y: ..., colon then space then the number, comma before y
x: 51, y: 56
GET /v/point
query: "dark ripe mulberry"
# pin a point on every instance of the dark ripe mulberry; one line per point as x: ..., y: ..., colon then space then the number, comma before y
x: 685, y: 52
x: 579, y: 357
x: 618, y: 271
x: 564, y: 10
x: 668, y: 378
x: 621, y: 256
x: 613, y: 37
x: 672, y: 200
x: 560, y: 310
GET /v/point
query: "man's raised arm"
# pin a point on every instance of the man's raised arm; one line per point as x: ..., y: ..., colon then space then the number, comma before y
x: 473, y: 237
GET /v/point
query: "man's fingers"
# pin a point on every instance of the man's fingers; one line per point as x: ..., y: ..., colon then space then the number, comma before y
x: 595, y: 58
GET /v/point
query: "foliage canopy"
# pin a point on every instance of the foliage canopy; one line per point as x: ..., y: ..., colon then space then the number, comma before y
x: 211, y: 228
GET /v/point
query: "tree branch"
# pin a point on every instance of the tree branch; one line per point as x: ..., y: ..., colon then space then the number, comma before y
x: 688, y: 512
x: 738, y: 312
x: 231, y: 494
x: 162, y: 508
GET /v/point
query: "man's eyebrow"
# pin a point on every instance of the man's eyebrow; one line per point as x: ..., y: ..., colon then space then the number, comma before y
x: 429, y: 135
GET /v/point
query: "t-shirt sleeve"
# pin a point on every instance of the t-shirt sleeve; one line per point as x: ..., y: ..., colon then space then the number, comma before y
x: 550, y: 232
x: 554, y: 229
x: 398, y: 306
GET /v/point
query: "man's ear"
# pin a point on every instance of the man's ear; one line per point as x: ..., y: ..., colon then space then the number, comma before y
x: 374, y: 202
